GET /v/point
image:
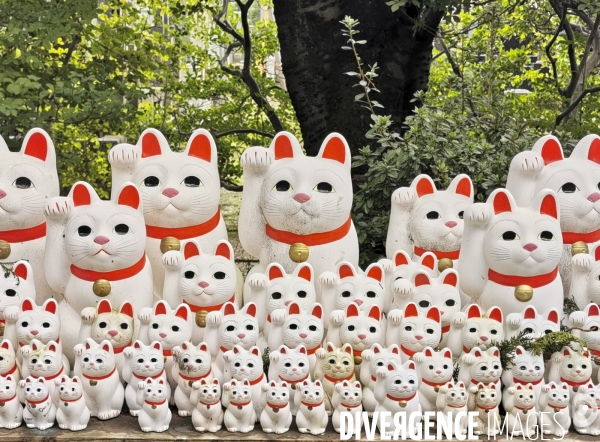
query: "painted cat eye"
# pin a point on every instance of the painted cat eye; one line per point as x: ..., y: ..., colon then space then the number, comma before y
x: 568, y: 188
x: 151, y: 181
x: 84, y: 231
x: 10, y: 293
x: 546, y: 236
x: 121, y: 229
x: 433, y: 215
x: 276, y: 295
x: 509, y: 236
x: 324, y: 187
x: 23, y: 183
x: 192, y: 181
x: 461, y: 214
x: 282, y: 186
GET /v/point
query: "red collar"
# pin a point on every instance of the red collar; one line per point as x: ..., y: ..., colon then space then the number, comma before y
x: 474, y: 382
x: 209, y: 308
x: 487, y: 408
x: 357, y: 352
x: 438, y: 253
x: 167, y: 353
x: 514, y: 281
x: 208, y: 404
x: 573, y: 237
x: 466, y: 350
x: 556, y: 407
x: 23, y: 235
x: 445, y: 329
x: 114, y: 275
x: 312, y: 351
x: 49, y: 378
x: 151, y: 377
x: 523, y: 408
x: 456, y: 406
x: 335, y: 381
x: 373, y: 378
x: 38, y: 402
x: 4, y: 401
x: 256, y: 381
x: 575, y: 384
x: 11, y: 371
x: 350, y: 406
x: 155, y: 404
x: 71, y: 400
x: 188, y: 232
x: 119, y: 350
x: 313, y: 239
x: 101, y: 377
x: 434, y: 384
x: 239, y: 404
x: 522, y: 382
x: 273, y: 406
x: 311, y: 405
x: 400, y: 399
x: 293, y: 382
x: 594, y: 352
x: 188, y: 378
x: 223, y: 349
x: 407, y: 351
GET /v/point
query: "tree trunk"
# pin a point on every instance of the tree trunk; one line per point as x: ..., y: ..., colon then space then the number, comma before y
x: 310, y: 36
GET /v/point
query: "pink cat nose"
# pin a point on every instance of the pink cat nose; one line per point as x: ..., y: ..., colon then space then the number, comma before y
x: 169, y: 192
x: 451, y: 224
x: 34, y: 332
x: 301, y: 197
x: 484, y: 338
x: 287, y: 303
x: 418, y: 337
x: 113, y: 333
x: 203, y: 284
x: 593, y: 197
x: 294, y: 369
x: 101, y: 239
x: 2, y: 193
x: 162, y: 335
x: 91, y: 363
x: 530, y: 247
x: 241, y: 336
x: 362, y: 336
x: 578, y: 371
x: 358, y: 302
x: 146, y: 366
x: 303, y: 335
x: 438, y: 372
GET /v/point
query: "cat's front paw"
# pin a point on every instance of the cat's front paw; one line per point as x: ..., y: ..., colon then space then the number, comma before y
x: 419, y: 357
x: 258, y: 281
x: 25, y: 351
x: 88, y: 315
x: 479, y: 214
x: 278, y: 316
x: 546, y: 388
x: 11, y: 313
x: 557, y: 357
x: 274, y: 356
x: 528, y: 162
x: 511, y: 390
x: 404, y: 197
x: 226, y: 386
x: 145, y: 315
x: 176, y: 353
x: 577, y: 319
x: 128, y: 352
x: 78, y: 349
x: 256, y: 159
x: 173, y: 259
x: 336, y: 317
x: 582, y: 262
x: 328, y: 279
x: 141, y: 385
x: 58, y: 208
x: 124, y: 154
x: 381, y: 372
x: 468, y: 359
x: 514, y: 320
x: 367, y: 355
x: 213, y: 319
x: 22, y: 383
x: 321, y: 353
x: 458, y: 319
x: 395, y: 316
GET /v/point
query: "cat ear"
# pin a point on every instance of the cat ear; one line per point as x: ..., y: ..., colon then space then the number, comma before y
x: 282, y: 349
x: 476, y: 351
x: 495, y: 352
x: 35, y: 345
x: 473, y: 311
x: 255, y: 351
x: 6, y: 344
x: 126, y: 309
x: 461, y: 384
x: 22, y: 270
x: 345, y: 270
x: 545, y: 203
x: 183, y: 312
x: 275, y: 271
x: 423, y: 185
x: 434, y: 314
x: 588, y: 148
x: 246, y: 382
x: 428, y: 260
x: 160, y: 308
x: 553, y: 315
x: 161, y: 381
x: 347, y: 348
x: 411, y: 310
x: 428, y: 352
x: 461, y: 185
x: 228, y: 309
x: 104, y: 307
x: 302, y: 349
x: 496, y: 314
x: 82, y: 194
x: 352, y: 310
x: 329, y: 347
x: 27, y: 305
x: 106, y: 346
x: 376, y: 348
x: 410, y: 365
x: 566, y: 351
x: 203, y: 347
x: 420, y: 278
x: 530, y: 313
x: 304, y: 271
x: 549, y: 148
x: 450, y: 277
x: 317, y: 311
x: 285, y: 145
x: 480, y: 386
x: 318, y: 383
x: 293, y: 308
x: 250, y: 309
x: 225, y: 250
x: 155, y: 345
x: 519, y: 350
x: 138, y: 345
x: 191, y: 249
x: 153, y: 143
x: 401, y: 258
x: 585, y: 354
x: 392, y: 365
x: 502, y: 201
x: 52, y: 346
x: 50, y: 306
x: 202, y: 145
x: 335, y: 148
x: 394, y: 349
x: 565, y: 386
x: 38, y: 144
x: 447, y: 353
x: 375, y: 313
x: 592, y: 309
x: 129, y: 196
x: 215, y: 381
x: 87, y: 345
x: 236, y: 349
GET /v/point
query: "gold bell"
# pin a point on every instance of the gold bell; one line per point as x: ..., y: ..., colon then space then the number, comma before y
x: 4, y: 249
x: 357, y: 360
x: 298, y: 252
x: 2, y: 325
x: 579, y: 247
x: 101, y: 288
x: 402, y: 404
x: 201, y: 318
x: 445, y: 263
x: 436, y: 388
x: 169, y: 243
x: 523, y: 293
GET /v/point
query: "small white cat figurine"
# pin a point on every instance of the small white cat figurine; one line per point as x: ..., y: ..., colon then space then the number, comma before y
x: 289, y: 365
x: 11, y: 410
x: 424, y: 219
x: 525, y: 368
x: 483, y: 399
x: 572, y: 367
x: 44, y: 361
x: 554, y: 409
x: 521, y: 416
x: 334, y: 365
x: 181, y: 191
x: 291, y: 198
x: 506, y: 247
x: 372, y: 359
x: 531, y: 323
x: 435, y: 369
x: 312, y: 417
x: 40, y: 410
x: 452, y: 399
x: 15, y: 285
x: 239, y: 411
x: 276, y: 416
x: 347, y: 397
x: 586, y: 325
x: 475, y: 328
x: 207, y: 414
x: 142, y: 362
x: 585, y: 282
x: 585, y: 404
x: 27, y: 179
x: 481, y: 366
x: 414, y: 330
x: 247, y: 365
x: 8, y: 361
x: 103, y: 391
x: 72, y: 413
x: 153, y: 398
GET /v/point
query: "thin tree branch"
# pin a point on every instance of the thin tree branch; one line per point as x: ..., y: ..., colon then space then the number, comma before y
x: 574, y: 104
x: 231, y: 187
x: 244, y: 131
x: 551, y: 58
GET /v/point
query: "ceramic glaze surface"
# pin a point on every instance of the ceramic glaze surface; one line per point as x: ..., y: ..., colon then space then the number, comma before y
x: 554, y: 409
x: 11, y: 414
x: 483, y: 399
x: 239, y: 410
x: 207, y: 414
x: 40, y: 410
x: 475, y: 328
x: 289, y: 365
x: 153, y: 398
x: 481, y: 366
x: 585, y: 281
x: 276, y: 416
x: 72, y: 412
x: 435, y: 369
x: 15, y: 286
x: 414, y: 330
x: 373, y: 359
x: 347, y: 397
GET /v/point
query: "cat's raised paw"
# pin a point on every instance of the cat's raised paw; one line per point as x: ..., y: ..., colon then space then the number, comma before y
x: 256, y: 159
x: 173, y: 259
x: 404, y: 197
x: 58, y: 208
x: 529, y: 162
x: 124, y: 154
x: 257, y: 281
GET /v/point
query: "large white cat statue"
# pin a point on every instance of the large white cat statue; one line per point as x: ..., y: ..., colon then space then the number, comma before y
x: 585, y: 277
x: 15, y: 285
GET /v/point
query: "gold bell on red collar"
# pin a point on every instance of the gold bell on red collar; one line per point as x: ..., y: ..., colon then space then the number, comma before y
x: 201, y: 318
x: 523, y: 293
x: 357, y: 360
x: 445, y: 263
x: 4, y: 249
x: 579, y: 247
x: 298, y: 252
x: 101, y: 288
x: 169, y: 243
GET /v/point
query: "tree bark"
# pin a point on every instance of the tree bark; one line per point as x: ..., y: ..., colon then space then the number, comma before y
x: 314, y: 64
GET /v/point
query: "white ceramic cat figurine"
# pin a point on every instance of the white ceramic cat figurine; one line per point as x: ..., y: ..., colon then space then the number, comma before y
x: 190, y: 364
x: 585, y: 404
x: 506, y: 247
x: 27, y: 179
x: 531, y: 323
x: 116, y: 325
x: 40, y: 410
x: 312, y: 417
x: 424, y: 219
x: 441, y: 292
x: 276, y: 416
x: 276, y: 289
x: 575, y: 182
x: 289, y: 365
x: 91, y: 240
x: 291, y: 198
x: 247, y: 365
x: 142, y: 362
x: 348, y: 285
x: 481, y: 366
x: 372, y: 359
x: 8, y: 361
x: 103, y: 391
x: 414, y: 330
x: 572, y: 367
x: 72, y: 411
x: 239, y: 411
x: 396, y: 390
x: 586, y: 325
x: 521, y: 416
x: 525, y: 368
x: 483, y: 399
x: 554, y: 409
x: 16, y: 285
x: 475, y: 328
x: 168, y: 327
x: 347, y: 397
x: 294, y: 327
x: 585, y: 282
x: 451, y: 400
x: 334, y: 365
x: 44, y: 361
x: 181, y: 191
x: 11, y: 410
x: 435, y: 370
x: 207, y: 414
x: 153, y: 398
x: 203, y: 281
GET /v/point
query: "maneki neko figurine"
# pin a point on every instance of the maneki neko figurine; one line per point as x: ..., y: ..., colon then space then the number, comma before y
x: 585, y: 273
x: 16, y: 284
x: 94, y: 251
x: 27, y: 179
x: 296, y: 208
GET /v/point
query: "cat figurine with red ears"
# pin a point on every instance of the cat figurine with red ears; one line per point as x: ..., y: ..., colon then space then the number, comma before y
x: 207, y: 414
x: 435, y: 369
x: 425, y: 219
x: 44, y: 361
x: 510, y: 254
x: 585, y: 277
x: 247, y: 365
x: 573, y: 367
x: 312, y: 417
x: 240, y: 415
x: 373, y: 359
x: 153, y: 398
x: 586, y: 325
x: 414, y: 330
x: 290, y: 365
x: 347, y: 397
x: 481, y: 366
x: 181, y: 191
x: 27, y: 179
x: 8, y: 361
x: 73, y: 413
x: 40, y: 410
x: 276, y: 416
x: 524, y: 368
x: 16, y: 285
x: 554, y: 409
x: 575, y: 182
x: 292, y: 198
x: 532, y: 324
x: 334, y: 365
x: 475, y: 328
x: 96, y: 246
x: 11, y: 410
